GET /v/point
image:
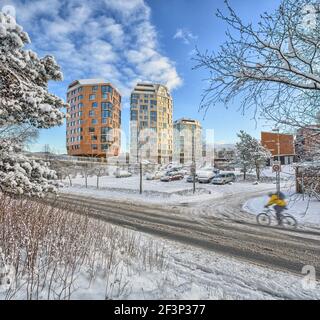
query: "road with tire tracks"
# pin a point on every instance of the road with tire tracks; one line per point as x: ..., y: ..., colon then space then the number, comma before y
x: 218, y: 226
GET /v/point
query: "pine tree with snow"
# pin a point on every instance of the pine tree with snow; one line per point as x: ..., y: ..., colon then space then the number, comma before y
x: 250, y: 154
x: 24, y: 101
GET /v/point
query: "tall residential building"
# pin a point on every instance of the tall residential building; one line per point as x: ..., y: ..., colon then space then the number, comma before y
x: 151, y: 125
x: 187, y: 139
x: 94, y: 118
x: 280, y: 145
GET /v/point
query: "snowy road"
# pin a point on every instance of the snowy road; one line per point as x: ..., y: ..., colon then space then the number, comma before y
x: 225, y: 230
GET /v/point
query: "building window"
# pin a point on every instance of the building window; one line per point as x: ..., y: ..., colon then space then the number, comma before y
x: 105, y: 89
x: 106, y: 106
x: 80, y: 97
x: 104, y: 147
x: 80, y: 105
x: 153, y: 116
x: 94, y: 138
x: 79, y: 89
x: 104, y: 96
x: 94, y: 121
x: 95, y: 105
x: 143, y: 108
x: 95, y: 88
x: 94, y: 146
x: 91, y: 113
x: 134, y: 115
x: 91, y: 129
x: 106, y: 114
x: 104, y: 120
x: 92, y: 97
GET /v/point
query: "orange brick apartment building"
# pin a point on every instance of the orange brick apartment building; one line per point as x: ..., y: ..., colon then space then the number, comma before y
x: 94, y: 119
x: 279, y: 144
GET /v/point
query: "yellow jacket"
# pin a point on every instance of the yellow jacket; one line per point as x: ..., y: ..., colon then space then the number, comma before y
x: 275, y: 200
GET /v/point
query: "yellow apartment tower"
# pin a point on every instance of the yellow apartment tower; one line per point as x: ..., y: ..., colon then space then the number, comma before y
x: 151, y: 124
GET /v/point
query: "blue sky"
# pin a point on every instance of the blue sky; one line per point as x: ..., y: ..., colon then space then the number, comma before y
x: 126, y: 41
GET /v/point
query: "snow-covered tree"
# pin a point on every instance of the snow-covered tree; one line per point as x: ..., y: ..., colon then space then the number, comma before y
x: 250, y: 154
x: 24, y: 101
x: 272, y: 66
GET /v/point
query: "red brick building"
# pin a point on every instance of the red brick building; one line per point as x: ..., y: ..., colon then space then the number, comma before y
x: 280, y: 145
x: 93, y: 119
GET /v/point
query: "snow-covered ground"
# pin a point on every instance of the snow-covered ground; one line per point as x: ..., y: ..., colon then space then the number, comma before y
x: 193, y: 274
x: 155, y: 191
x: 305, y: 210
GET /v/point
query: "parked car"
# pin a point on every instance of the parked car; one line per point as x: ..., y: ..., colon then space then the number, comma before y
x: 190, y: 178
x: 154, y: 176
x: 172, y: 176
x: 207, y: 174
x: 224, y: 178
x: 122, y: 174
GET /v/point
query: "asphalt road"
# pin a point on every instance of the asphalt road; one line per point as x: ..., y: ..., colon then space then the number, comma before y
x: 226, y: 230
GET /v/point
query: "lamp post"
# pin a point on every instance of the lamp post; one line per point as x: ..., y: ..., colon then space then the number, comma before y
x: 193, y: 162
x: 279, y: 161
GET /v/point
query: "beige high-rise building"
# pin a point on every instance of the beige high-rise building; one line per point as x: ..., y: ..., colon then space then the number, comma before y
x: 187, y: 139
x: 151, y: 125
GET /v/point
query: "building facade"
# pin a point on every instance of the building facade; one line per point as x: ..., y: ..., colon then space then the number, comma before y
x: 187, y: 141
x: 151, y: 125
x: 280, y: 145
x: 308, y: 142
x: 93, y: 119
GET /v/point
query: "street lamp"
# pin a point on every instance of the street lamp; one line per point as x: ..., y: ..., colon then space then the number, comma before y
x: 279, y: 161
x: 193, y: 161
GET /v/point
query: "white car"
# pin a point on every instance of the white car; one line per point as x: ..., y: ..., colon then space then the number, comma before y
x: 224, y: 178
x: 155, y: 175
x: 206, y: 175
x: 122, y: 174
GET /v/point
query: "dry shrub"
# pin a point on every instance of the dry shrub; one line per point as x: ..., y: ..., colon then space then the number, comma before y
x: 49, y: 248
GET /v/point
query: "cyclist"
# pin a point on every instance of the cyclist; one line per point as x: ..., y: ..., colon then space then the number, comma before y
x: 278, y: 201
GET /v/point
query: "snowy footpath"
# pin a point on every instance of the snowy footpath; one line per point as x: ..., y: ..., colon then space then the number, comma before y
x: 306, y: 210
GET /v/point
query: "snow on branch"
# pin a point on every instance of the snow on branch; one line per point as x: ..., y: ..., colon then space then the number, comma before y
x: 265, y: 63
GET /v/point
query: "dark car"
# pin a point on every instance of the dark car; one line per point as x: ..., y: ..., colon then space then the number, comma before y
x: 172, y: 176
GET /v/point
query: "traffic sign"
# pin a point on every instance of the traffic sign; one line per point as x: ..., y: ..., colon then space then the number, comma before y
x: 276, y: 167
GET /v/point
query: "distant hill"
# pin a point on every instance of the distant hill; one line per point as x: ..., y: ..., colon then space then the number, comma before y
x: 224, y: 146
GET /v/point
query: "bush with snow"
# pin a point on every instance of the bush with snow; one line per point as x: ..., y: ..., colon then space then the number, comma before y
x: 24, y: 100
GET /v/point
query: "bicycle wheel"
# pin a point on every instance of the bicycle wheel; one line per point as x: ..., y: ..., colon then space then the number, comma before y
x: 289, y: 222
x: 263, y: 219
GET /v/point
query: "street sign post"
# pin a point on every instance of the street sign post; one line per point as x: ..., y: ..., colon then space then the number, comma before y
x: 276, y: 167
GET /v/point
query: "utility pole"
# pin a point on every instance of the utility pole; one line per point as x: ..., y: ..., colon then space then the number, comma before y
x: 140, y: 177
x: 279, y: 162
x: 193, y: 162
x: 139, y: 160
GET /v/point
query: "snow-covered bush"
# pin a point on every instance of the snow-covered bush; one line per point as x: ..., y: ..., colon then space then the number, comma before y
x: 24, y: 100
x: 21, y: 175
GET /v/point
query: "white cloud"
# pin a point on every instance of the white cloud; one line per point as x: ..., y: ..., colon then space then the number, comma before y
x: 112, y: 39
x: 185, y: 35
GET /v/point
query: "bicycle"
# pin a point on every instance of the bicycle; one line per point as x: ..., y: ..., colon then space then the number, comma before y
x: 266, y: 216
